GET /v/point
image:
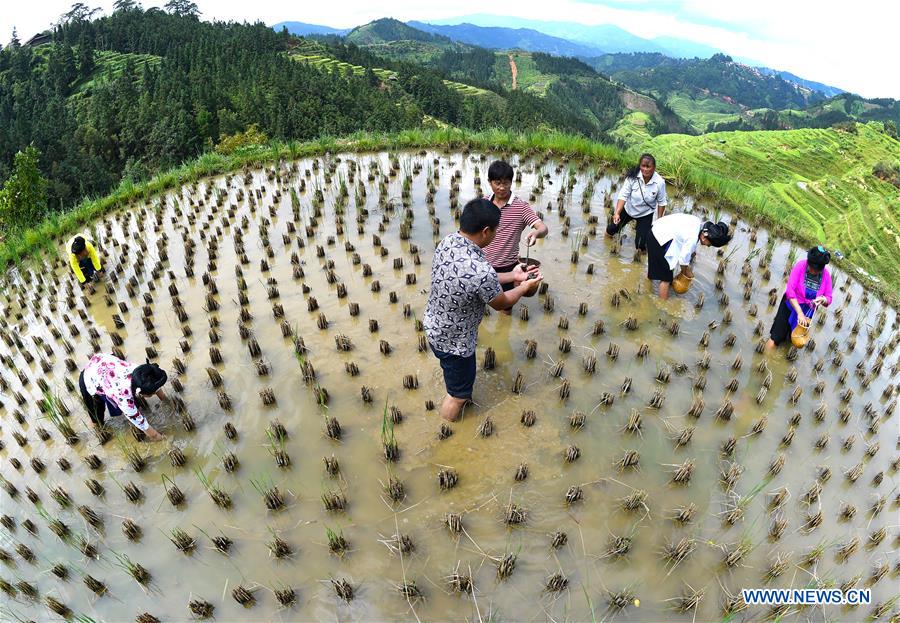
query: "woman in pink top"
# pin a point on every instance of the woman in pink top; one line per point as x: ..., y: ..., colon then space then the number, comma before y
x: 808, y: 287
x: 108, y: 382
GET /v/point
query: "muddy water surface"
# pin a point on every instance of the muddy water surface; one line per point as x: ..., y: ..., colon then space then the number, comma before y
x: 649, y: 583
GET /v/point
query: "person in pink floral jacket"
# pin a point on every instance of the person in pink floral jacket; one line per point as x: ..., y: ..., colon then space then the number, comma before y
x: 108, y: 382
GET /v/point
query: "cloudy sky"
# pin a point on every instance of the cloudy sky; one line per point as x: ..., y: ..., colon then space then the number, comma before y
x: 848, y: 45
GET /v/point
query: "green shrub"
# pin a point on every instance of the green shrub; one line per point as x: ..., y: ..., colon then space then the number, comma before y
x: 846, y: 126
x: 887, y: 172
x: 251, y: 137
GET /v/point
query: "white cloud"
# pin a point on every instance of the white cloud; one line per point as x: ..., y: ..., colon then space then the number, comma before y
x: 847, y: 46
x: 836, y: 43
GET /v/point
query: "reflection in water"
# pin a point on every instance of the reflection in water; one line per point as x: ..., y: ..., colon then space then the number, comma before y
x: 250, y: 224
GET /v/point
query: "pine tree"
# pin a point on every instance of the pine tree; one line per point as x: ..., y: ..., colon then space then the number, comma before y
x: 182, y: 8
x: 85, y: 56
x: 121, y: 6
x: 80, y: 12
x: 61, y: 67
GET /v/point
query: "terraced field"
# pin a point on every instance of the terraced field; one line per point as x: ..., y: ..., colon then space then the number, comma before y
x: 318, y: 59
x: 110, y: 64
x: 701, y: 112
x: 817, y: 181
x: 632, y: 129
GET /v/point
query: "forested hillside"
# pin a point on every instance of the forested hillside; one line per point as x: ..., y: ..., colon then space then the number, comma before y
x: 139, y: 91
x: 717, y: 94
x: 849, y: 107
x: 718, y: 75
x: 562, y: 83
x: 444, y: 100
x: 210, y: 80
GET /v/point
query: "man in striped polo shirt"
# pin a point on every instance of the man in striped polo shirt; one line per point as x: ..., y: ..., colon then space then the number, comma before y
x: 515, y: 216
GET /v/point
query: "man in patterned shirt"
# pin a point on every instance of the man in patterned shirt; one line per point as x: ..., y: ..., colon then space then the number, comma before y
x: 462, y: 283
x: 515, y: 216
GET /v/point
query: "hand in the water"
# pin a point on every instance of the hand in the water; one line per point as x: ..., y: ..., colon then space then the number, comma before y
x: 153, y: 435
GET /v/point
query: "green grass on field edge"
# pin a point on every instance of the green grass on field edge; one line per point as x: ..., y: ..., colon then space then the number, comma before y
x: 815, y: 184
x: 45, y: 237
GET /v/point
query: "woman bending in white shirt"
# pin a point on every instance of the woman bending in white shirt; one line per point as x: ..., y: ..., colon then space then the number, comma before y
x: 642, y: 192
x: 672, y: 242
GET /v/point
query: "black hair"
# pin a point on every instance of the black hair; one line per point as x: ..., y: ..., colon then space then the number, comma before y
x: 78, y: 245
x: 478, y: 214
x: 500, y: 170
x: 633, y: 171
x: 718, y: 233
x: 148, y: 378
x: 818, y: 257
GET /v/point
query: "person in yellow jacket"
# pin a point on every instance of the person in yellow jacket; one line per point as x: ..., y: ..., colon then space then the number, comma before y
x: 85, y: 261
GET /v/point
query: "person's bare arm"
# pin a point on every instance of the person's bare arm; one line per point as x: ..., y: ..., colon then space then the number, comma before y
x: 140, y: 421
x: 153, y: 434
x: 617, y: 215
x: 517, y: 275
x: 505, y: 300
x: 539, y: 230
x: 509, y: 277
x: 802, y: 320
x: 661, y: 200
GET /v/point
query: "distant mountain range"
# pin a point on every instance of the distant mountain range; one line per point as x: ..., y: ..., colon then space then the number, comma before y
x: 302, y: 29
x: 605, y: 37
x: 558, y: 38
x: 498, y: 38
x: 589, y: 43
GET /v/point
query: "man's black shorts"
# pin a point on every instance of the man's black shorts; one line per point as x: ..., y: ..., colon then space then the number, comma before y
x: 459, y: 373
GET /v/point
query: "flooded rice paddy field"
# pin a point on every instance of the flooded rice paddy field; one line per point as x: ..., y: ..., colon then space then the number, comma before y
x: 627, y: 458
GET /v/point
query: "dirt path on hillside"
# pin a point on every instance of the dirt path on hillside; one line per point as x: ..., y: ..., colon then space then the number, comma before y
x: 515, y: 72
